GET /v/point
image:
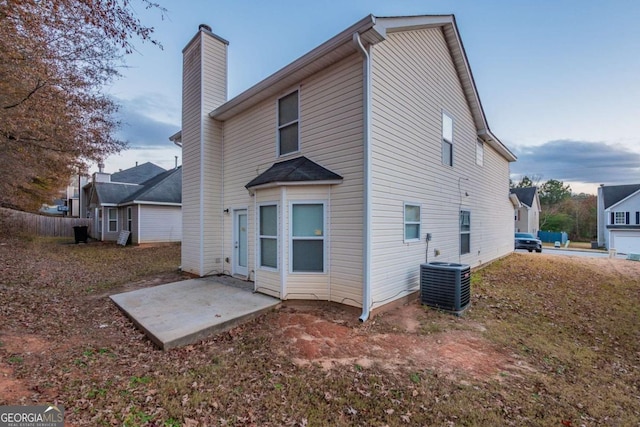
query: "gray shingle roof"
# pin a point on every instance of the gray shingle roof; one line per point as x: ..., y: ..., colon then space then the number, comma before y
x: 525, y: 195
x: 163, y: 188
x: 137, y: 174
x: 113, y: 192
x: 299, y: 169
x: 612, y: 194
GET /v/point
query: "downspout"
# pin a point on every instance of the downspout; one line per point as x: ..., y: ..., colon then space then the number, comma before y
x: 366, y: 229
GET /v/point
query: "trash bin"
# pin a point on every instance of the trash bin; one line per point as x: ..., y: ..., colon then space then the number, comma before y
x: 81, y: 234
x: 594, y: 244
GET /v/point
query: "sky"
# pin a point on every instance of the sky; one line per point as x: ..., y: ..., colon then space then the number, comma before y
x: 559, y: 80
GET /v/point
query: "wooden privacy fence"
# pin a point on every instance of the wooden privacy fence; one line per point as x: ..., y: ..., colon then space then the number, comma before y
x: 40, y: 225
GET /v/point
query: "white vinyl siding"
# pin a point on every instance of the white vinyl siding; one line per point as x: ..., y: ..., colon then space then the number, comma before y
x: 413, y: 81
x: 160, y: 224
x: 330, y: 135
x: 204, y: 87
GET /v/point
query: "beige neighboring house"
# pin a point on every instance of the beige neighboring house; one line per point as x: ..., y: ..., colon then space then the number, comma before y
x: 324, y: 181
x: 527, y: 211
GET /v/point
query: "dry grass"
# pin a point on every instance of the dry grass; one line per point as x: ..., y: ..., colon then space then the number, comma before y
x: 568, y: 328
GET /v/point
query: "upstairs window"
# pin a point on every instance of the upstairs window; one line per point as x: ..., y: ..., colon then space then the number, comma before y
x: 288, y: 124
x: 479, y: 153
x: 447, y: 139
x: 620, y: 218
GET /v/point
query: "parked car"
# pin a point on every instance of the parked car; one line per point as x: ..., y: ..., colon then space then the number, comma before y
x: 528, y: 241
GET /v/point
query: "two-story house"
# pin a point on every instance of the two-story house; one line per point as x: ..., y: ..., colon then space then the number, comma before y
x: 619, y: 218
x: 336, y: 177
x: 527, y: 212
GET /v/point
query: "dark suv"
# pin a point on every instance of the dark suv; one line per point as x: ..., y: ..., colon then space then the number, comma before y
x: 528, y: 241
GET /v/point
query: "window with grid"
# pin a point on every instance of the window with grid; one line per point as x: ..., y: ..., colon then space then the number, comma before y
x: 447, y: 139
x: 620, y: 218
x: 411, y: 222
x: 113, y: 219
x: 268, y: 236
x: 307, y: 237
x: 465, y: 232
x: 288, y: 124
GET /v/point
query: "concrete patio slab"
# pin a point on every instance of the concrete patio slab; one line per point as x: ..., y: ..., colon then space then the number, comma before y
x: 185, y: 312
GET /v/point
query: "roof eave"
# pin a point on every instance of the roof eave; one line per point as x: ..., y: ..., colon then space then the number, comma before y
x: 294, y: 183
x: 281, y: 79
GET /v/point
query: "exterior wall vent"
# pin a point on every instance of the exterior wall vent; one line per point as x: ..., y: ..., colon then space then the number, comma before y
x: 446, y: 286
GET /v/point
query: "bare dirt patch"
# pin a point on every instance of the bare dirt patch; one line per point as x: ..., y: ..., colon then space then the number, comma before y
x: 325, y: 338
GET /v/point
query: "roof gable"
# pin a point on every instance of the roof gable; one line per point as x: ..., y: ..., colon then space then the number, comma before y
x: 614, y: 194
x: 372, y: 30
x: 525, y: 194
x: 298, y: 170
x: 163, y: 188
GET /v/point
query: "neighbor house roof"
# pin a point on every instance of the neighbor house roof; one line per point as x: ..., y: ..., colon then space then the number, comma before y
x: 111, y: 193
x: 372, y: 30
x: 163, y: 188
x: 137, y: 174
x: 298, y: 170
x: 525, y: 195
x: 612, y: 194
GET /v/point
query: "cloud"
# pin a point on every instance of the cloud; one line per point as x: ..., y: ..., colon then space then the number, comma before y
x: 578, y: 161
x: 146, y: 122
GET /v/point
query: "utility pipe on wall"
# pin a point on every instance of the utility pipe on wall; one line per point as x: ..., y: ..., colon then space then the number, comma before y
x: 366, y: 231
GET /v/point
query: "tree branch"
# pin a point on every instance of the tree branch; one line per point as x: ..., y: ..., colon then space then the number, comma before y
x: 39, y: 86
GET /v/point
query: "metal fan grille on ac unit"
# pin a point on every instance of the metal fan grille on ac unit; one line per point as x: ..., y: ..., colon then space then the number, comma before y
x: 446, y: 286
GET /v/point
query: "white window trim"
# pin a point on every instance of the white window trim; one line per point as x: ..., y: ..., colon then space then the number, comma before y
x: 324, y: 238
x: 405, y: 222
x: 464, y: 232
x: 624, y: 218
x: 443, y: 140
x: 278, y: 126
x: 109, y: 220
x: 261, y: 236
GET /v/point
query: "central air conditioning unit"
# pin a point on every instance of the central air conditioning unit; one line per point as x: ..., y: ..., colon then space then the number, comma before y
x: 446, y: 286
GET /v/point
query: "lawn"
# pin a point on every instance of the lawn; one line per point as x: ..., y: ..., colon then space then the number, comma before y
x: 549, y: 340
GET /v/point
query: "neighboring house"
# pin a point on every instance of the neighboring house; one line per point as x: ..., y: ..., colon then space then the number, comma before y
x: 619, y: 217
x: 145, y: 200
x: 325, y: 180
x: 527, y: 213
